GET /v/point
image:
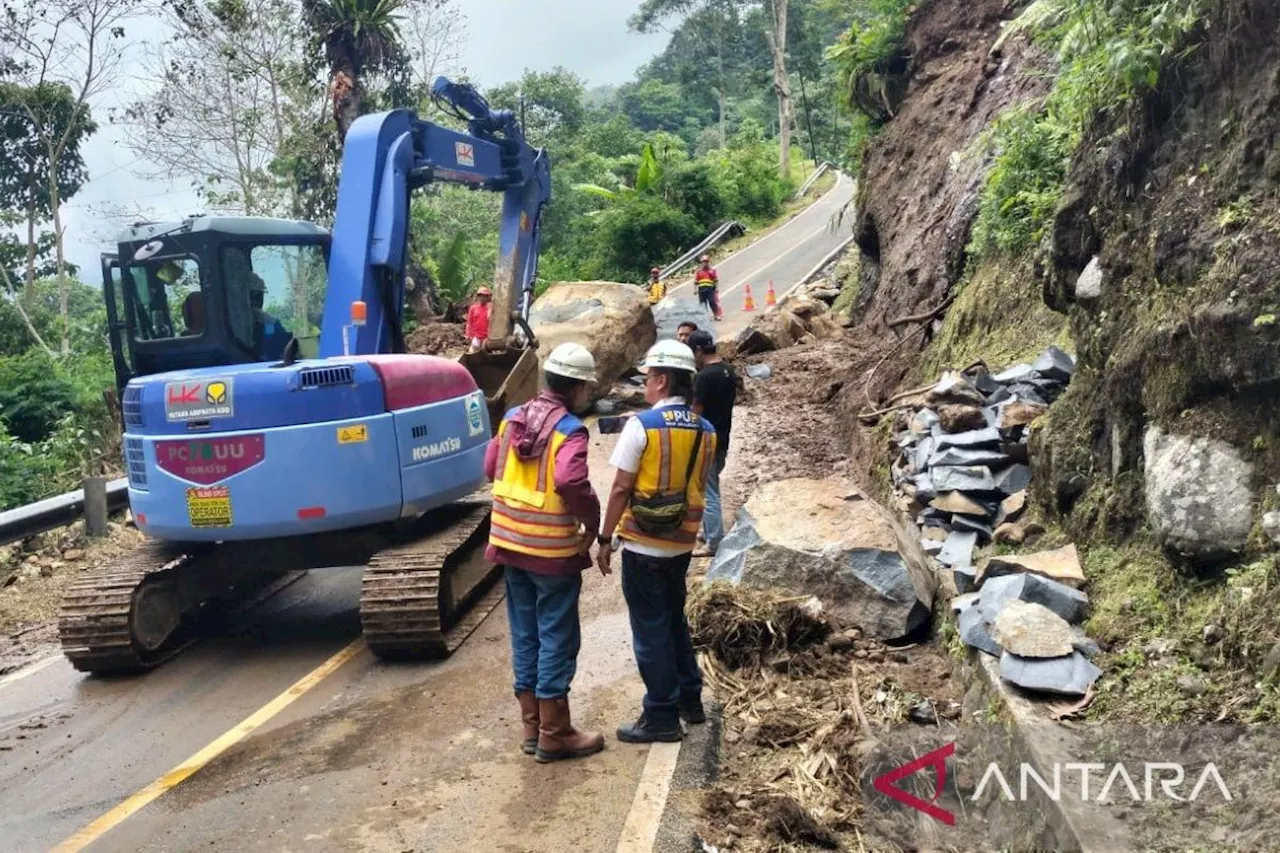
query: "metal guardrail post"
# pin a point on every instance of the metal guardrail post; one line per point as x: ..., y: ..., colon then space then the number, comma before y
x: 95, y: 507
x: 58, y: 511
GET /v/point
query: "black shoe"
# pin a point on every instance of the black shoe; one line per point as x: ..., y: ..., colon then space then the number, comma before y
x: 692, y: 713
x: 645, y: 730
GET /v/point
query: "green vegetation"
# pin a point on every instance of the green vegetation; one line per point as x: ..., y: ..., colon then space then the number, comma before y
x: 1108, y: 53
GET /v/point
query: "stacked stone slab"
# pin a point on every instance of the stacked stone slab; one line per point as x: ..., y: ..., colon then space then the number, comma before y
x: 962, y: 470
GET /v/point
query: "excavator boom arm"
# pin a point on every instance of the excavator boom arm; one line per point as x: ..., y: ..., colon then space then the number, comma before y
x: 388, y: 155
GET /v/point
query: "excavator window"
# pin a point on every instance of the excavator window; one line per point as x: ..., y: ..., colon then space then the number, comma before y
x: 168, y: 301
x: 275, y: 292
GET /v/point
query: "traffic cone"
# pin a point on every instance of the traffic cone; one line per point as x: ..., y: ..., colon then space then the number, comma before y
x: 748, y: 303
x: 770, y: 298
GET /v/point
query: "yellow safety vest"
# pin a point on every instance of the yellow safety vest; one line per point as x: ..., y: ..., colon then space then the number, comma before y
x: 529, y: 516
x: 670, y: 433
x: 657, y: 290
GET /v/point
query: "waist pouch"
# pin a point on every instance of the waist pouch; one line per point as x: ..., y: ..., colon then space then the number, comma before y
x: 662, y: 514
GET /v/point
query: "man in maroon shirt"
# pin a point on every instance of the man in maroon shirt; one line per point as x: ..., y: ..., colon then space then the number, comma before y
x: 541, y: 535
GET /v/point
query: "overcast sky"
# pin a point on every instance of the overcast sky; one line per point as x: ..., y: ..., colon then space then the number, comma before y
x: 504, y: 37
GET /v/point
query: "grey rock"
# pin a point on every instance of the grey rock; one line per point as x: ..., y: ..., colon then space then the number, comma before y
x: 1191, y: 685
x: 1198, y: 495
x: 963, y: 457
x: 1055, y: 364
x: 958, y: 549
x: 907, y: 439
x: 955, y: 389
x: 962, y: 478
x: 1017, y: 373
x: 1069, y: 603
x: 963, y: 602
x: 759, y: 371
x: 1159, y: 647
x: 1089, y: 284
x: 925, y: 489
x: 976, y: 438
x: 985, y: 383
x: 1031, y: 630
x: 999, y: 396
x: 1012, y: 479
x: 923, y: 713
x: 933, y: 518
x: 996, y: 593
x: 1028, y: 392
x: 1213, y: 634
x: 976, y: 632
x: 931, y: 546
x: 965, y: 577
x: 1070, y: 675
x: 799, y: 535
x: 1083, y: 643
x: 923, y: 452
x: 606, y: 407
x: 961, y: 523
x: 1271, y: 664
x: 1271, y: 526
x: 926, y: 419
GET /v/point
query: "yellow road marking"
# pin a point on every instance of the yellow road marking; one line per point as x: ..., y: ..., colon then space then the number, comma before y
x: 641, y: 828
x: 174, y: 777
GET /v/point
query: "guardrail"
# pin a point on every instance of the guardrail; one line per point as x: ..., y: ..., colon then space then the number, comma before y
x: 822, y: 170
x: 732, y: 226
x: 17, y: 524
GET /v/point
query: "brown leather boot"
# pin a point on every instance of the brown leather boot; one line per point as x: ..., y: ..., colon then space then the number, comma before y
x: 557, y: 738
x: 529, y: 715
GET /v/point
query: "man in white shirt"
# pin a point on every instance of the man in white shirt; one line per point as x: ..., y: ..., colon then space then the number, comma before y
x: 663, y: 458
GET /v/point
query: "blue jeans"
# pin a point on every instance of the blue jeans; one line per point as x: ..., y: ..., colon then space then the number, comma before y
x: 545, y: 634
x: 654, y: 588
x: 712, y: 516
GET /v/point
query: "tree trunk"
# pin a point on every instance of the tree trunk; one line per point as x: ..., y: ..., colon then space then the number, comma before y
x: 59, y: 241
x: 777, y: 38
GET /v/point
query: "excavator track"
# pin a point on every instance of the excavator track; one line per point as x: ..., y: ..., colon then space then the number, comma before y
x: 423, y: 597
x: 138, y: 613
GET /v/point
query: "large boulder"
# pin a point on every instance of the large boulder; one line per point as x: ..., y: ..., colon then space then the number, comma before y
x: 824, y: 538
x: 612, y: 320
x: 683, y: 307
x: 1199, y: 500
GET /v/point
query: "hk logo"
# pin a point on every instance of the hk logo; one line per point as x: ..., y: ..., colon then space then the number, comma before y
x: 938, y: 761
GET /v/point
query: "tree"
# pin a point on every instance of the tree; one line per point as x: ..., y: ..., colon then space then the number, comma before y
x: 550, y: 105
x: 436, y: 31
x: 360, y: 39
x: 65, y: 52
x: 777, y: 36
x: 216, y: 110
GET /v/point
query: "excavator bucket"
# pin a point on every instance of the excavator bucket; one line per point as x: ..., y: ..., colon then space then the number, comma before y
x: 508, y: 378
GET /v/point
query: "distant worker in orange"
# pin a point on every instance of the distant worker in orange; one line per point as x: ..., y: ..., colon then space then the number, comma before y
x: 478, y: 319
x: 708, y: 283
x: 657, y: 287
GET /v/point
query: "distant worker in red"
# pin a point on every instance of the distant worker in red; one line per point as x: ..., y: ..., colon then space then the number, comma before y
x: 707, y: 281
x: 478, y: 319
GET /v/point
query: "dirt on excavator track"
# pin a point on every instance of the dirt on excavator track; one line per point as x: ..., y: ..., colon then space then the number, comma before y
x: 425, y: 589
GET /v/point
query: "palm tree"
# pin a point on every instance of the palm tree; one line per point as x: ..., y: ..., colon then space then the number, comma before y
x: 360, y: 38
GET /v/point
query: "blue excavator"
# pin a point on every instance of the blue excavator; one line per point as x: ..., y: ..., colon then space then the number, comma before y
x: 274, y: 422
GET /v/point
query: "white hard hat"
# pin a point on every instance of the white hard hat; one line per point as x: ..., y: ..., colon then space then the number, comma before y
x: 670, y: 354
x: 573, y: 361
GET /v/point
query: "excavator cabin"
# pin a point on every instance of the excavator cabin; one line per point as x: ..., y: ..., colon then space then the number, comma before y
x: 213, y: 290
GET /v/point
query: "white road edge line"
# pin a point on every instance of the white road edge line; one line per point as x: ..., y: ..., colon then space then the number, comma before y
x: 840, y: 178
x: 640, y: 831
x: 755, y: 273
x: 29, y: 669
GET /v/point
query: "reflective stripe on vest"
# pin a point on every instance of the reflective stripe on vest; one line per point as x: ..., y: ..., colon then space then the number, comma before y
x: 528, y: 515
x: 670, y: 433
x: 704, y: 278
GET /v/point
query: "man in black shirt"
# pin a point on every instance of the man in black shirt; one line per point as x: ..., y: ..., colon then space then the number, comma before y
x: 714, y: 393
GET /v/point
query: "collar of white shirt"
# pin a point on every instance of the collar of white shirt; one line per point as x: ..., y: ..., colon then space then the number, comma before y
x: 670, y: 401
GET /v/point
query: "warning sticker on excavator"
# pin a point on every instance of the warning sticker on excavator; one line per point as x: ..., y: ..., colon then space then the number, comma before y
x: 209, y: 507
x: 466, y: 153
x: 354, y: 434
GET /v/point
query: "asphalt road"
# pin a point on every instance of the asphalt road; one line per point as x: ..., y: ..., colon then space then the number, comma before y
x: 281, y: 732
x: 784, y: 256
